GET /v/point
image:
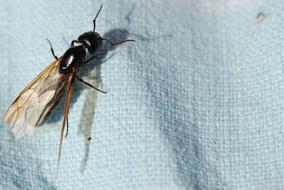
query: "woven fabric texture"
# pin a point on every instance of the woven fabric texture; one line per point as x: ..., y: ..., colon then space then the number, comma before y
x: 196, y: 103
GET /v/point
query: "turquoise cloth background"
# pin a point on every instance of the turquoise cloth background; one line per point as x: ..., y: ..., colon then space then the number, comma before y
x: 196, y: 103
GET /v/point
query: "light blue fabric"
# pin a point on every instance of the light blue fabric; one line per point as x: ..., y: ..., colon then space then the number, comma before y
x: 196, y: 103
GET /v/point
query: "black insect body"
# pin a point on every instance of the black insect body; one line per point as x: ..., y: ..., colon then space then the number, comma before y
x: 26, y: 113
x: 75, y: 56
x: 92, y: 40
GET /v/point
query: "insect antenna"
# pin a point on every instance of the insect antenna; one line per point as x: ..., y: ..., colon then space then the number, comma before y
x: 94, y: 21
x: 117, y: 43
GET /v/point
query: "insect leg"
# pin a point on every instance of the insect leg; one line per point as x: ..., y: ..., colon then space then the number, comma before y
x: 117, y: 43
x: 51, y: 49
x: 95, y: 56
x: 94, y: 21
x: 88, y: 84
x: 66, y: 111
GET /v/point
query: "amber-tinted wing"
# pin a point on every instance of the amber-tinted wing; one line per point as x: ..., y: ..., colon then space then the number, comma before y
x: 37, y: 99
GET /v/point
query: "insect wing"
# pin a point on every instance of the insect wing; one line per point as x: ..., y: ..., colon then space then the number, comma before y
x: 37, y: 99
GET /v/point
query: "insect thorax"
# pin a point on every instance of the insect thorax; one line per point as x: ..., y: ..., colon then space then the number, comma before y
x: 73, y: 57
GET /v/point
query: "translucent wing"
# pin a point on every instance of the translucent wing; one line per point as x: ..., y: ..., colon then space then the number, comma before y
x: 32, y: 105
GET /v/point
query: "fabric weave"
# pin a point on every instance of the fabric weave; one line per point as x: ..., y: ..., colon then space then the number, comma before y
x: 196, y: 103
